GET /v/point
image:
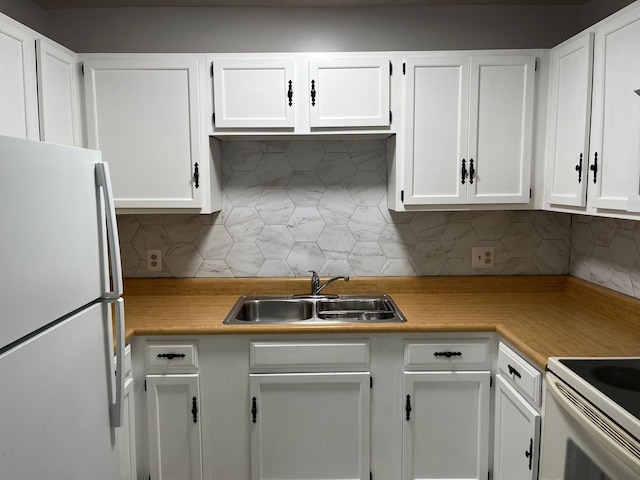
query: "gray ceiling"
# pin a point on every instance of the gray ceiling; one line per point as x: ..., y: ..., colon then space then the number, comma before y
x: 57, y: 4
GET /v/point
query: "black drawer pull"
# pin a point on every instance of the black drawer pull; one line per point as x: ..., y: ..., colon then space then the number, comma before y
x: 513, y: 371
x: 447, y: 354
x: 171, y: 356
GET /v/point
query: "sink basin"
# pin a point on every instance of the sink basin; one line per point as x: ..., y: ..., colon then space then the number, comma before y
x: 318, y: 309
x: 271, y: 310
x: 356, y: 310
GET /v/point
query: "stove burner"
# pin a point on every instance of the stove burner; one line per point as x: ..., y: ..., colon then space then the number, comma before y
x: 627, y: 378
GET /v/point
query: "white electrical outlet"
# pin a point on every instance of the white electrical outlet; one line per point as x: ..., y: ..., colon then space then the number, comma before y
x: 154, y: 260
x: 482, y: 257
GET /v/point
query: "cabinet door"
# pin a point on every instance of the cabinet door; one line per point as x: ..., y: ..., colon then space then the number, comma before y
x: 615, y: 122
x: 58, y: 94
x: 310, y: 426
x: 254, y: 93
x: 174, y: 427
x: 517, y: 435
x: 446, y: 425
x: 18, y: 89
x: 500, y: 130
x: 349, y: 92
x: 436, y: 123
x: 143, y: 114
x: 126, y: 435
x: 569, y: 122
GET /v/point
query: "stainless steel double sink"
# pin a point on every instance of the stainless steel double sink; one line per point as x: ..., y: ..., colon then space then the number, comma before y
x: 317, y: 309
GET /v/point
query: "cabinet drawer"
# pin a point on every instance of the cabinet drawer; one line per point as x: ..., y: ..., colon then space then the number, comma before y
x: 172, y: 357
x: 520, y: 373
x: 438, y: 354
x: 310, y: 356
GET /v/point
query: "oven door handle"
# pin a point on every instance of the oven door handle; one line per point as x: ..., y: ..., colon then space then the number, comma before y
x: 607, y: 432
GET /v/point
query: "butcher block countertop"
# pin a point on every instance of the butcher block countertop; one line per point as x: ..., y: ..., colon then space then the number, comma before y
x: 542, y: 316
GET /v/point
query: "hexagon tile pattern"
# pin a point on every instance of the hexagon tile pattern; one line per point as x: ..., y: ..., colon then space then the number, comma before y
x: 606, y: 251
x: 294, y: 206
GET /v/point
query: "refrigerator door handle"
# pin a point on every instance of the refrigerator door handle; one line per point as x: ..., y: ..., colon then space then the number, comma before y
x: 104, y: 180
x: 116, y: 402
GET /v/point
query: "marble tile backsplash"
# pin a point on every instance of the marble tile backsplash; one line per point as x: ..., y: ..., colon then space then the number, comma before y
x: 605, y: 251
x: 294, y: 206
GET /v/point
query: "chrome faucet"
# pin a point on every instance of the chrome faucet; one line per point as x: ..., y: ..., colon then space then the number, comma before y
x: 316, y: 288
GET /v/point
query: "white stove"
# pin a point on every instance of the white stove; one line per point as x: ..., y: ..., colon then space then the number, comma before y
x: 592, y: 419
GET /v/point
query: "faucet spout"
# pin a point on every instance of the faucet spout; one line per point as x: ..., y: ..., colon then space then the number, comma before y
x: 316, y: 288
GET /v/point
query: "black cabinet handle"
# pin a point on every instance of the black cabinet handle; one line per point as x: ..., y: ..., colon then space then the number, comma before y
x: 579, y: 170
x: 463, y: 173
x: 254, y: 410
x: 594, y: 167
x: 407, y: 408
x: 313, y: 93
x: 513, y: 371
x: 170, y: 356
x: 194, y: 409
x: 529, y: 454
x: 196, y: 175
x: 447, y: 354
x: 290, y: 93
x: 472, y: 171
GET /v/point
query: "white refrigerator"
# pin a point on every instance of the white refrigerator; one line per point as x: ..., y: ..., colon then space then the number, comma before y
x: 60, y: 289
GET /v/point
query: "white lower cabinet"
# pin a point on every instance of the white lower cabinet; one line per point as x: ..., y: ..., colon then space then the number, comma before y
x: 335, y: 407
x: 174, y: 427
x: 446, y: 425
x: 517, y: 417
x: 126, y: 435
x: 310, y: 426
x: 517, y: 433
x: 173, y: 404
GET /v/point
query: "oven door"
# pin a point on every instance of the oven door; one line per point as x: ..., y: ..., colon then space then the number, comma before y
x: 580, y: 443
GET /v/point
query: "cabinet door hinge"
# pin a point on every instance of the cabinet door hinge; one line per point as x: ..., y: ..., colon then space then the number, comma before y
x: 211, y: 69
x: 370, y: 475
x: 536, y: 67
x: 490, y: 381
x: 404, y: 68
x: 530, y: 193
x: 82, y: 68
x: 390, y: 68
x: 402, y: 196
x: 390, y: 117
x: 145, y: 385
x: 214, y: 118
x: 370, y: 382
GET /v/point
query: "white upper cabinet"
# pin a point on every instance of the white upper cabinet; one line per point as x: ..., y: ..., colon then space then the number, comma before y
x: 256, y: 93
x: 349, y: 92
x: 468, y: 122
x: 18, y: 88
x: 569, y: 122
x: 615, y: 119
x: 143, y: 113
x: 300, y: 93
x: 437, y: 121
x: 593, y: 152
x: 58, y: 97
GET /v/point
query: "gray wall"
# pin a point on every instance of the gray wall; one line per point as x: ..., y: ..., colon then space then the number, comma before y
x: 312, y: 29
x: 27, y: 13
x: 238, y: 29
